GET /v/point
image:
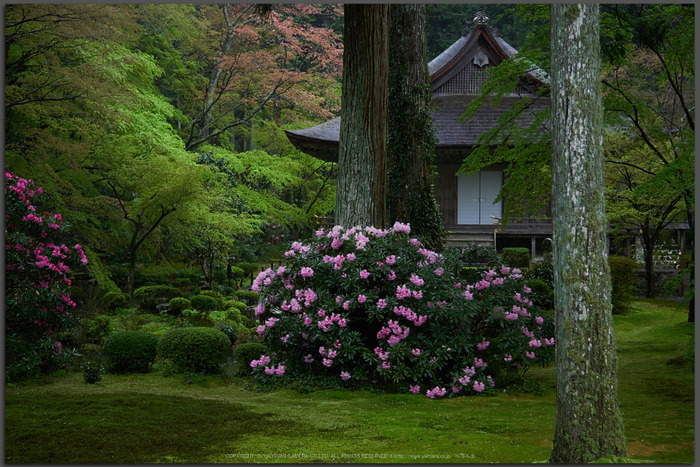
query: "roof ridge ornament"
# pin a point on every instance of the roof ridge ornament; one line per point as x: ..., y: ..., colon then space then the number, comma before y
x: 481, y: 18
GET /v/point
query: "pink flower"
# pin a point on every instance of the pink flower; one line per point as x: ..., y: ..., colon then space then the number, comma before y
x: 464, y: 380
x: 414, y: 389
x: 391, y: 276
x: 416, y: 280
x: 327, y: 362
x: 399, y: 227
x: 539, y: 320
x: 361, y: 298
x: 364, y: 274
x: 549, y: 341
x: 535, y: 343
x: 381, y: 303
x: 308, y: 358
x: 436, y: 391
x: 478, y: 387
x: 307, y: 272
x: 390, y: 260
x: 261, y: 329
x: 280, y: 370
x: 479, y: 363
x: 527, y: 289
x: 350, y: 257
x: 344, y: 375
x: 505, y: 270
x: 530, y: 354
x: 482, y: 345
x: 439, y: 272
x: 508, y: 358
x: 402, y: 292
x: 415, y: 352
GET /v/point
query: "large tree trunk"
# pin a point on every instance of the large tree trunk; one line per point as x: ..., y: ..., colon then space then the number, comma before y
x: 362, y: 155
x: 411, y: 143
x: 588, y: 422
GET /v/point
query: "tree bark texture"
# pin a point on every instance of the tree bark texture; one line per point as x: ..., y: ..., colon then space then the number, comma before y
x: 360, y: 198
x: 588, y: 422
x: 411, y: 142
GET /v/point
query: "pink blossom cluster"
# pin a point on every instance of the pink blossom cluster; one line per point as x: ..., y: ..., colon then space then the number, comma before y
x: 436, y: 392
x: 394, y: 332
x: 410, y: 315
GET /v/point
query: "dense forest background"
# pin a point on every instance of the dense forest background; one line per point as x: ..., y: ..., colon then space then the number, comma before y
x: 157, y: 130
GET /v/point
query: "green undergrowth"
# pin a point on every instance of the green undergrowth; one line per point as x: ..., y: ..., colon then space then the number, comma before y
x: 149, y: 418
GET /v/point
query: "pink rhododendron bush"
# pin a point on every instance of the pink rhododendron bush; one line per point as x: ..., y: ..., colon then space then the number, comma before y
x: 375, y: 305
x: 37, y: 301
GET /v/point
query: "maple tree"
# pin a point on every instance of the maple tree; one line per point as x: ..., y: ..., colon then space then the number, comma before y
x: 262, y: 58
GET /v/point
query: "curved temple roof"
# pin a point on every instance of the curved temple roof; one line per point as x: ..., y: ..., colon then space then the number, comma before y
x: 455, y: 75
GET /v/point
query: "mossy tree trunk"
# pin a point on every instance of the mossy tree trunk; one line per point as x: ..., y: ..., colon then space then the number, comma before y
x: 588, y: 422
x: 360, y: 198
x: 411, y: 142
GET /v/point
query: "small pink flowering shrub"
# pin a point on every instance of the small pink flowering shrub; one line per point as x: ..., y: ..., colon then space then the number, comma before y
x: 37, y: 301
x: 374, y: 304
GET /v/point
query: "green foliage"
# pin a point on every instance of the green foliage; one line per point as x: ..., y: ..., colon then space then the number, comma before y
x: 623, y: 274
x: 542, y: 295
x: 248, y: 268
x: 96, y: 329
x: 232, y: 329
x: 516, y: 257
x: 177, y: 304
x: 198, y: 349
x: 92, y: 372
x: 114, y: 299
x: 245, y: 353
x: 204, y: 303
x: 248, y: 296
x: 148, y: 297
x: 475, y: 254
x: 217, y: 296
x: 130, y: 351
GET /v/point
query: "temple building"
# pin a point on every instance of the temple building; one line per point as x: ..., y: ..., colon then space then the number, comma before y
x: 467, y: 201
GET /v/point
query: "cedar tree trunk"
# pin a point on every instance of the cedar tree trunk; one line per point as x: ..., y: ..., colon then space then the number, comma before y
x: 360, y: 198
x: 588, y: 422
x: 411, y: 142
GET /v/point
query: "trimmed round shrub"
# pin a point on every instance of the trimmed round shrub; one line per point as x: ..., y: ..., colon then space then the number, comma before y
x: 248, y: 296
x: 178, y: 304
x: 130, y: 351
x: 237, y: 273
x: 516, y: 257
x: 234, y: 314
x: 197, y: 349
x: 623, y: 274
x: 248, y: 268
x: 150, y: 296
x: 246, y: 353
x: 204, y: 302
x: 217, y: 296
x: 113, y: 300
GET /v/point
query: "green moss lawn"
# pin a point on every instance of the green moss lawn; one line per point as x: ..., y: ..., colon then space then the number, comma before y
x: 153, y: 419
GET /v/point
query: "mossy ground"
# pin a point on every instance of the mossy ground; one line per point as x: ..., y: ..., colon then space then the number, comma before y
x: 151, y: 418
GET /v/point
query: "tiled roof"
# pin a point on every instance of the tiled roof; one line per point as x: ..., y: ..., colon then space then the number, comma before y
x: 322, y: 140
